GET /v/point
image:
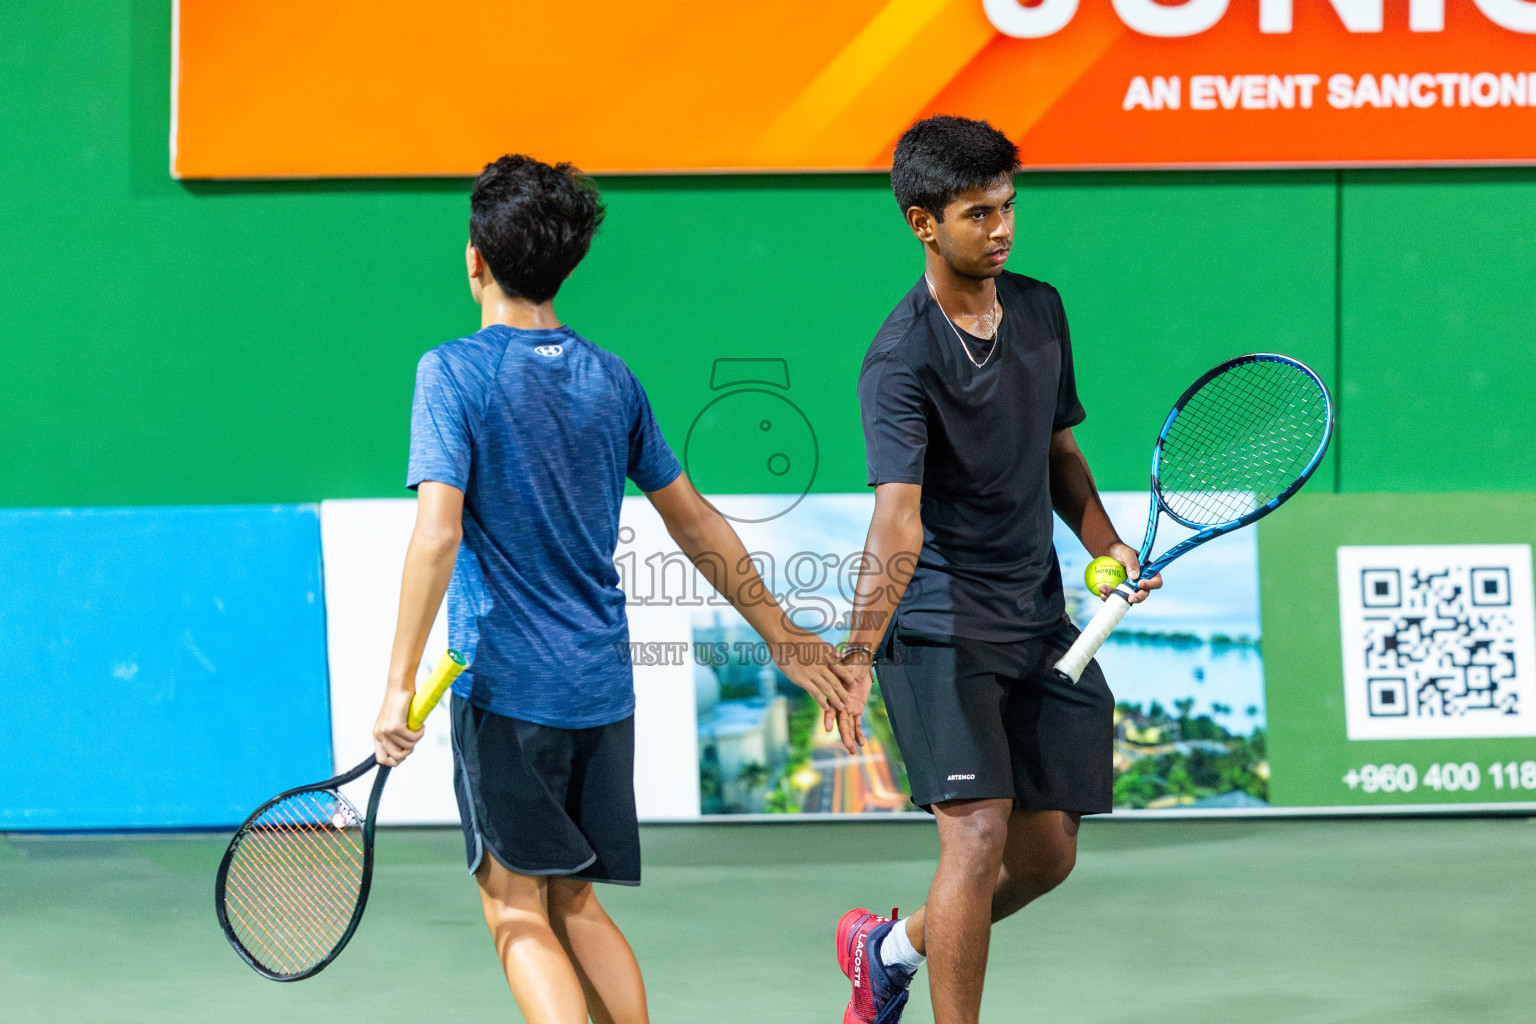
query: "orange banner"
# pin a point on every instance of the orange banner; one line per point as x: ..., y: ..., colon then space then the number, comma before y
x: 278, y: 88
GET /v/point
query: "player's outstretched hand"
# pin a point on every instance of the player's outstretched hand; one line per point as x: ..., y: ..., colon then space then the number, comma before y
x: 807, y: 661
x: 393, y: 738
x: 1126, y: 556
x: 859, y: 680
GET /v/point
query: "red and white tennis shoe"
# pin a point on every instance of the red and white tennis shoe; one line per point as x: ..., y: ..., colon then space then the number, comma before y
x: 879, y: 992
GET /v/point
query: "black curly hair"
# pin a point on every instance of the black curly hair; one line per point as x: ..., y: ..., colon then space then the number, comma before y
x: 940, y: 157
x: 533, y: 223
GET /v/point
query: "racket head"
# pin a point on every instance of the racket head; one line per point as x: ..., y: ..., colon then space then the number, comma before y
x: 1241, y: 440
x: 294, y: 880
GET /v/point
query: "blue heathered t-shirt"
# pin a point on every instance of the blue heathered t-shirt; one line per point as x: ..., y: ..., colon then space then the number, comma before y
x: 539, y: 430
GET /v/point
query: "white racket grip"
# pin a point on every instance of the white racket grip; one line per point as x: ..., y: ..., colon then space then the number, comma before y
x: 1088, y: 643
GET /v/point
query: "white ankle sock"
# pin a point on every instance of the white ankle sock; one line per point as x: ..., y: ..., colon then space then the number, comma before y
x: 896, y: 949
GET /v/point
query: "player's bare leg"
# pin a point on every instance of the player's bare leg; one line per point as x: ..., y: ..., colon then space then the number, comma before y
x: 1039, y: 852
x: 957, y: 919
x: 539, y: 971
x: 598, y: 950
x: 1039, y: 855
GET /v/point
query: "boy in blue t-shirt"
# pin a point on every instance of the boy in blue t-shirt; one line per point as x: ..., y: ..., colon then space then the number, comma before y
x: 521, y: 438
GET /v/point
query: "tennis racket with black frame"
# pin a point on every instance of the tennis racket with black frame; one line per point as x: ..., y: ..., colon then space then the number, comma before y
x: 293, y: 884
x: 1238, y: 443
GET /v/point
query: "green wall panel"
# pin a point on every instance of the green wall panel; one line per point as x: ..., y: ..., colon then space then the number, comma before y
x: 1166, y: 275
x: 1303, y: 673
x: 687, y: 271
x: 231, y: 342
x: 1439, y: 291
x: 1163, y: 276
x: 172, y: 344
x: 247, y: 342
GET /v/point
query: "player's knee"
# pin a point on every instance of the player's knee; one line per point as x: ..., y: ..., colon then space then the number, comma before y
x: 511, y: 917
x: 510, y: 897
x: 1057, y: 863
x: 571, y: 899
x: 978, y: 839
x: 974, y: 841
x: 1034, y: 871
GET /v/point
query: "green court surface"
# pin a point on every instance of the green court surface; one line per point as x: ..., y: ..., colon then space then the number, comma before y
x: 1365, y: 921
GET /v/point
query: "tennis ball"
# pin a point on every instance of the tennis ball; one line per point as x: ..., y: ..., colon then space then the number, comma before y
x: 1103, y: 571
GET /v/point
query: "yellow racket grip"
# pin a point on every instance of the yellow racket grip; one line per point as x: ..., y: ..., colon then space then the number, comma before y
x: 443, y: 674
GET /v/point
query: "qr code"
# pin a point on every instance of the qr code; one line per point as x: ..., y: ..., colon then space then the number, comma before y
x: 1439, y: 641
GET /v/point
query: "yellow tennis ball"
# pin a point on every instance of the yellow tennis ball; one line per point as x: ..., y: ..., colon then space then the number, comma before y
x: 1103, y: 571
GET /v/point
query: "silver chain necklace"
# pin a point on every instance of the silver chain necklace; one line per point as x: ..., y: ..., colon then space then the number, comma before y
x: 988, y: 317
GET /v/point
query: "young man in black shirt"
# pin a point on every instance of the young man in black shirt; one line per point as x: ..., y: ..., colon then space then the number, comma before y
x: 968, y: 401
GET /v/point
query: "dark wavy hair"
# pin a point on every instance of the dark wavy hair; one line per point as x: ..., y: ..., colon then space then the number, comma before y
x: 940, y: 157
x: 533, y: 223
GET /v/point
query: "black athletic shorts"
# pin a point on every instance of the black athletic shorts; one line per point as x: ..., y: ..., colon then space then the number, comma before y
x: 978, y: 720
x: 547, y: 801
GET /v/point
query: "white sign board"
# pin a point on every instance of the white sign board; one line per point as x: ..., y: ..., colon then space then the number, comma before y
x: 1438, y: 641
x: 364, y: 543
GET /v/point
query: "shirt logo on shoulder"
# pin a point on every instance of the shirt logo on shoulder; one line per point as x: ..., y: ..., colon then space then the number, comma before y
x: 550, y: 351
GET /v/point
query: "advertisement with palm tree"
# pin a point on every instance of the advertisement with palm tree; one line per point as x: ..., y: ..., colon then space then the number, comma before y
x: 1186, y: 668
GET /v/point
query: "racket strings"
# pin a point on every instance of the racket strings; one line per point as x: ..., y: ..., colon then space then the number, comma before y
x: 1212, y: 456
x: 317, y: 891
x: 291, y: 872
x: 294, y: 879
x: 1241, y: 436
x: 1240, y: 441
x: 1248, y: 475
x: 317, y: 913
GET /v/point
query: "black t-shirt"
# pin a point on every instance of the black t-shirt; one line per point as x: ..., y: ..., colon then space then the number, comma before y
x: 977, y: 440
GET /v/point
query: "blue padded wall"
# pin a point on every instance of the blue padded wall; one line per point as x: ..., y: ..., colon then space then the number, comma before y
x: 162, y: 667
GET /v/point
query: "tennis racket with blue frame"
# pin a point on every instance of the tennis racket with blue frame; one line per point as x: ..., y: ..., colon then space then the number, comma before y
x: 1238, y: 443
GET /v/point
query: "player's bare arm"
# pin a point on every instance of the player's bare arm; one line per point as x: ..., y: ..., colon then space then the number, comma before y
x: 890, y: 554
x: 708, y: 540
x: 428, y: 566
x: 1076, y: 501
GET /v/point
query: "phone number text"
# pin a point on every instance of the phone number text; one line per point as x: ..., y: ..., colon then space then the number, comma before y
x: 1443, y: 777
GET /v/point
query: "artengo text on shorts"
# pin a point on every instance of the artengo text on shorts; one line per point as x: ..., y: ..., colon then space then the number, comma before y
x: 1153, y: 18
